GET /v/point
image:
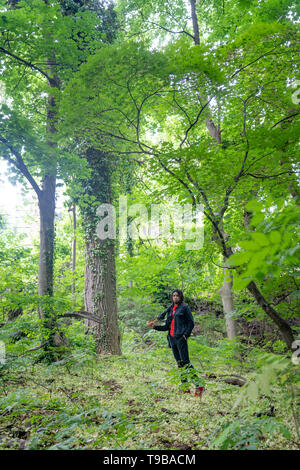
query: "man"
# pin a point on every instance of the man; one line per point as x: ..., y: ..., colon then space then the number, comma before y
x: 179, y: 324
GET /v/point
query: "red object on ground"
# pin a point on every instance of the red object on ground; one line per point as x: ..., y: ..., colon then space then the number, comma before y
x: 199, y: 391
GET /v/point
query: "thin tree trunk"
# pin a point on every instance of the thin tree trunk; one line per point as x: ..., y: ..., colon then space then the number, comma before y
x: 284, y: 327
x: 226, y: 289
x: 227, y: 300
x: 225, y: 292
x: 195, y: 22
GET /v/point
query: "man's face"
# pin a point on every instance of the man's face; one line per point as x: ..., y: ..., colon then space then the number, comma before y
x: 176, y: 298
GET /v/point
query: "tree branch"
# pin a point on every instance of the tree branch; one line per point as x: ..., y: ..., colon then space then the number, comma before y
x: 82, y: 314
x: 284, y: 119
x: 20, y: 164
x: 28, y: 64
x: 166, y: 29
x: 195, y: 122
x: 36, y: 348
x: 268, y: 176
x: 253, y: 61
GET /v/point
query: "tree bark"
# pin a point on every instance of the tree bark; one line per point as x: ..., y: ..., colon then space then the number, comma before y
x: 47, y: 214
x: 195, y: 22
x: 100, y: 294
x: 47, y: 220
x: 212, y: 128
x: 100, y: 273
x: 46, y: 199
x: 73, y: 209
x: 227, y: 301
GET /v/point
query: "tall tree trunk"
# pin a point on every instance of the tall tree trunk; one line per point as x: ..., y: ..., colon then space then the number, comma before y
x: 47, y: 219
x: 47, y: 214
x: 100, y: 293
x: 226, y: 291
x: 195, y: 22
x: 100, y: 272
x: 214, y: 131
x: 74, y: 252
x: 47, y: 201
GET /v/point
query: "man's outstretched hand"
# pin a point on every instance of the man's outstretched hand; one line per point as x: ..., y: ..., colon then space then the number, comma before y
x: 151, y: 323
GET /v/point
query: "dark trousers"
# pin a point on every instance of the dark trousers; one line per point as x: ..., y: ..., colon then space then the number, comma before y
x: 181, y: 353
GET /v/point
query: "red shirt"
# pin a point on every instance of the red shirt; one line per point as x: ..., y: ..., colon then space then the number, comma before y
x: 173, y: 322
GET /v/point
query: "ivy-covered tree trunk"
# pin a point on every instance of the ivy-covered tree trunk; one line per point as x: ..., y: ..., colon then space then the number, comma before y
x: 100, y: 272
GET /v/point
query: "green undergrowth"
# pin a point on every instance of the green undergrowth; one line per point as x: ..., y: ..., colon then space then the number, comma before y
x: 133, y: 401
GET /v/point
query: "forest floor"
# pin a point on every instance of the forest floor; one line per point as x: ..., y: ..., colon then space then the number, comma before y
x: 133, y: 402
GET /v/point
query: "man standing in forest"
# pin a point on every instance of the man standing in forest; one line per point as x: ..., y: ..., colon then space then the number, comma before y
x: 179, y: 324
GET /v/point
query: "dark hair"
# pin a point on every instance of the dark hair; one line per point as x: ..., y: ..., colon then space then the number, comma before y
x: 180, y: 295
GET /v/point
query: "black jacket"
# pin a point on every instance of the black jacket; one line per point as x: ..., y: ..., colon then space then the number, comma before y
x: 183, y: 320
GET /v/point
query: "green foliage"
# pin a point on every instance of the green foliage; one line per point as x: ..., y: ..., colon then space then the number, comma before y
x: 246, y: 433
x: 83, y: 402
x: 273, y: 247
x: 147, y: 102
x: 136, y: 312
x: 18, y: 275
x: 272, y: 369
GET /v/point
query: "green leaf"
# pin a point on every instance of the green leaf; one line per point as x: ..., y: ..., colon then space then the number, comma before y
x: 260, y: 238
x: 285, y: 431
x: 254, y: 206
x: 275, y: 237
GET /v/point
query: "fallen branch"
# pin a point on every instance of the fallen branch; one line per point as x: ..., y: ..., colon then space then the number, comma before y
x: 36, y: 348
x: 231, y: 379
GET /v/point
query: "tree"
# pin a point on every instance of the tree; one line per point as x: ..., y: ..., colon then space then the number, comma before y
x: 95, y: 189
x: 221, y: 27
x: 100, y: 276
x: 35, y: 69
x: 162, y: 94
